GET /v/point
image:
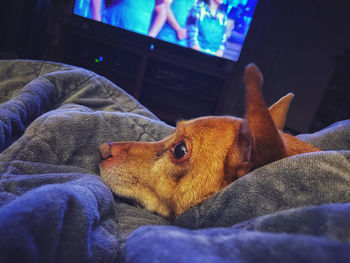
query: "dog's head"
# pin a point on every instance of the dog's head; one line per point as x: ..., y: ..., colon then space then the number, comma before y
x: 202, y: 156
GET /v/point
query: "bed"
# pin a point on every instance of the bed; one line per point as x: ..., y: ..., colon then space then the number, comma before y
x: 55, y: 208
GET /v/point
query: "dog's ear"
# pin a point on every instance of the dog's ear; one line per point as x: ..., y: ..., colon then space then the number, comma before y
x: 279, y: 110
x: 266, y: 143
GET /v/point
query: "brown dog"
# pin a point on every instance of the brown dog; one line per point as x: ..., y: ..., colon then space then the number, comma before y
x: 202, y: 156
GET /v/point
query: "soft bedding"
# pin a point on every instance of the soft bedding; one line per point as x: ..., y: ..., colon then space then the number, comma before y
x: 55, y: 208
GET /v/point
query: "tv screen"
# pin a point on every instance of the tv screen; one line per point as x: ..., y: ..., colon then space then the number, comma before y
x: 215, y: 27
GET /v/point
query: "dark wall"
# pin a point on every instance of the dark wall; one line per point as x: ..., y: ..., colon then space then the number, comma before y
x: 23, y: 25
x: 294, y: 43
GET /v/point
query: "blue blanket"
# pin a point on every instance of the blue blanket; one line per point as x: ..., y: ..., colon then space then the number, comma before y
x: 55, y: 208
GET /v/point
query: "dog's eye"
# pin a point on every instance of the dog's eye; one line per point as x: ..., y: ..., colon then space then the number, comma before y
x: 180, y: 150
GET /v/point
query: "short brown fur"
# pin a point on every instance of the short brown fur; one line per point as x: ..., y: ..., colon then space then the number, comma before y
x: 218, y: 150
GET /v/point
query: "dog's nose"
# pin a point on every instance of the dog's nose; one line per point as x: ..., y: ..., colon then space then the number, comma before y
x: 105, y: 150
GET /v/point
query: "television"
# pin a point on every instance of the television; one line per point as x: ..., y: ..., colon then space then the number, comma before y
x: 214, y: 27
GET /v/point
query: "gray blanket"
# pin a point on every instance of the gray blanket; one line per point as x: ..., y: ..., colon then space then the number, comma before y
x: 54, y: 207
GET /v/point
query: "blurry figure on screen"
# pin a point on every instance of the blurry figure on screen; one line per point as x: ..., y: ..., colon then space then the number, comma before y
x: 136, y: 15
x: 89, y: 8
x: 96, y: 8
x: 174, y: 30
x: 161, y: 16
x: 206, y: 27
x: 230, y: 26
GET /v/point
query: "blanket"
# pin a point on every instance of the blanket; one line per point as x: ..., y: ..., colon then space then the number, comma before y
x: 55, y: 208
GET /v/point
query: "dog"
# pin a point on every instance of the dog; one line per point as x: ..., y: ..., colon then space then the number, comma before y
x: 202, y: 156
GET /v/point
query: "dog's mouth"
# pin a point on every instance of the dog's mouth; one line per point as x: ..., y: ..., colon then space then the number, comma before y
x: 128, y: 200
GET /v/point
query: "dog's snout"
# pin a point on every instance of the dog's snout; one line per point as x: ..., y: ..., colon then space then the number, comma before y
x: 105, y: 151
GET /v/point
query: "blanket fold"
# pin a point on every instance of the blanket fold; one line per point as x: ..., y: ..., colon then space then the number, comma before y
x: 171, y: 244
x: 53, y: 205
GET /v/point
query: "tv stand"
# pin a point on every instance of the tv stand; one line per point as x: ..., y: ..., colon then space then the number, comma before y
x: 173, y: 87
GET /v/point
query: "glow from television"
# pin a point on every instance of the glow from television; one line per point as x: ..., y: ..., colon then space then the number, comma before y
x: 215, y: 27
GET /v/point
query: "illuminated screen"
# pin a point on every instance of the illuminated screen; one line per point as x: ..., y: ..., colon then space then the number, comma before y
x: 216, y: 27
